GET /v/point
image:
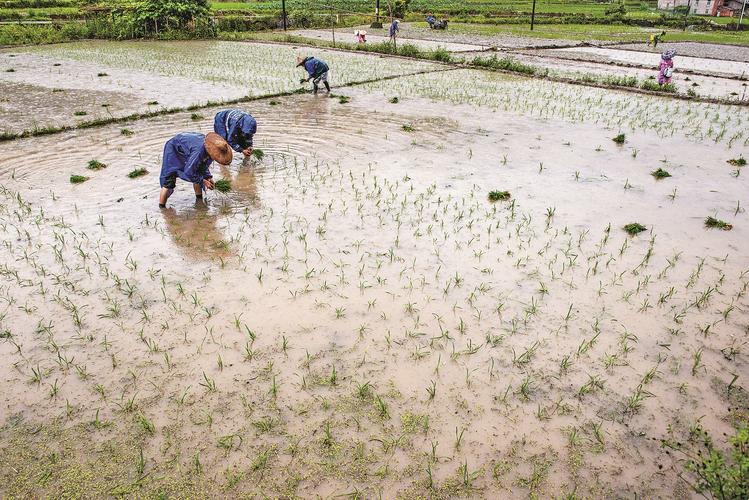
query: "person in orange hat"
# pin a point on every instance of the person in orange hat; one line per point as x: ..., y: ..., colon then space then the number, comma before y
x: 188, y: 156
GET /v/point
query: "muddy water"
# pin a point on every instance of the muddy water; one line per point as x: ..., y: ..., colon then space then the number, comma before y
x: 307, y: 314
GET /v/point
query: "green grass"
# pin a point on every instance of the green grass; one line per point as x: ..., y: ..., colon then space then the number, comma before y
x: 603, y: 32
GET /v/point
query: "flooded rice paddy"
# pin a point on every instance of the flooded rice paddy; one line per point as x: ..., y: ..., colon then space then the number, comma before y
x: 356, y: 317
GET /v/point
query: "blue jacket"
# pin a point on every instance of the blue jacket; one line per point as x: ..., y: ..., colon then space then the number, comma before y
x: 185, y: 155
x: 315, y: 67
x: 394, y: 28
x: 237, y: 127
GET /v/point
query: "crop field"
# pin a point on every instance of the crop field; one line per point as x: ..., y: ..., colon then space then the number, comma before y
x: 456, y: 283
x: 80, y: 82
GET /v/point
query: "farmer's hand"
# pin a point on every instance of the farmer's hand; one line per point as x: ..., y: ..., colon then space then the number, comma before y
x: 247, y: 152
x: 208, y: 183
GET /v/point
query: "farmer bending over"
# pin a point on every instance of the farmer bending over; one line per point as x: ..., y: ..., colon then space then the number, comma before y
x: 316, y: 69
x: 188, y: 156
x: 237, y: 128
x: 394, y: 28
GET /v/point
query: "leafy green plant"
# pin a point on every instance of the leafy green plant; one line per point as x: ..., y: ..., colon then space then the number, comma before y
x: 258, y: 154
x: 96, y: 165
x: 138, y: 172
x: 223, y: 185
x: 634, y: 228
x: 619, y: 139
x: 714, y: 223
x: 660, y: 174
x: 77, y: 179
x: 724, y: 476
x: 499, y: 195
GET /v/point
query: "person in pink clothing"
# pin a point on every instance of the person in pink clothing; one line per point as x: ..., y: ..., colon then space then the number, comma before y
x: 666, y: 67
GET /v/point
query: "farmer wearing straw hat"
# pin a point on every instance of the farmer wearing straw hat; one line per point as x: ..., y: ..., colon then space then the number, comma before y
x: 394, y: 28
x: 316, y: 69
x: 237, y: 128
x: 188, y: 156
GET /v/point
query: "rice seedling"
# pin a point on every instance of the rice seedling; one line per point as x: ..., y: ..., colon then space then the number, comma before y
x: 126, y: 132
x: 95, y: 165
x: 223, y: 185
x: 408, y: 128
x: 77, y: 179
x: 499, y: 195
x: 619, y: 139
x: 80, y: 113
x: 737, y: 162
x: 634, y: 228
x: 137, y: 172
x: 713, y: 223
x: 258, y: 154
x: 393, y: 100
x: 660, y: 173
x: 102, y: 74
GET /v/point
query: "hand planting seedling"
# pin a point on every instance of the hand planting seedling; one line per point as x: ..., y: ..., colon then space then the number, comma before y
x: 660, y: 173
x: 499, y: 195
x: 137, y: 172
x: 95, y: 165
x: 634, y: 228
x: 237, y: 128
x: 713, y: 223
x: 77, y: 179
x: 223, y: 185
x: 188, y: 156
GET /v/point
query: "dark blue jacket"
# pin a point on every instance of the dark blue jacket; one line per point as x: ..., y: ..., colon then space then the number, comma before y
x: 237, y: 127
x: 185, y: 155
x: 315, y: 67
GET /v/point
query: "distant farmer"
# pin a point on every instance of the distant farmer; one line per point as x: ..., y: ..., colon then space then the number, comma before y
x: 656, y: 39
x: 361, y: 36
x: 666, y: 67
x: 393, y: 31
x: 188, y: 156
x: 237, y: 128
x: 317, y: 71
x: 431, y: 20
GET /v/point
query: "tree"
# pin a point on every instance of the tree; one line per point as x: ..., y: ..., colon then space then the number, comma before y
x: 167, y: 14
